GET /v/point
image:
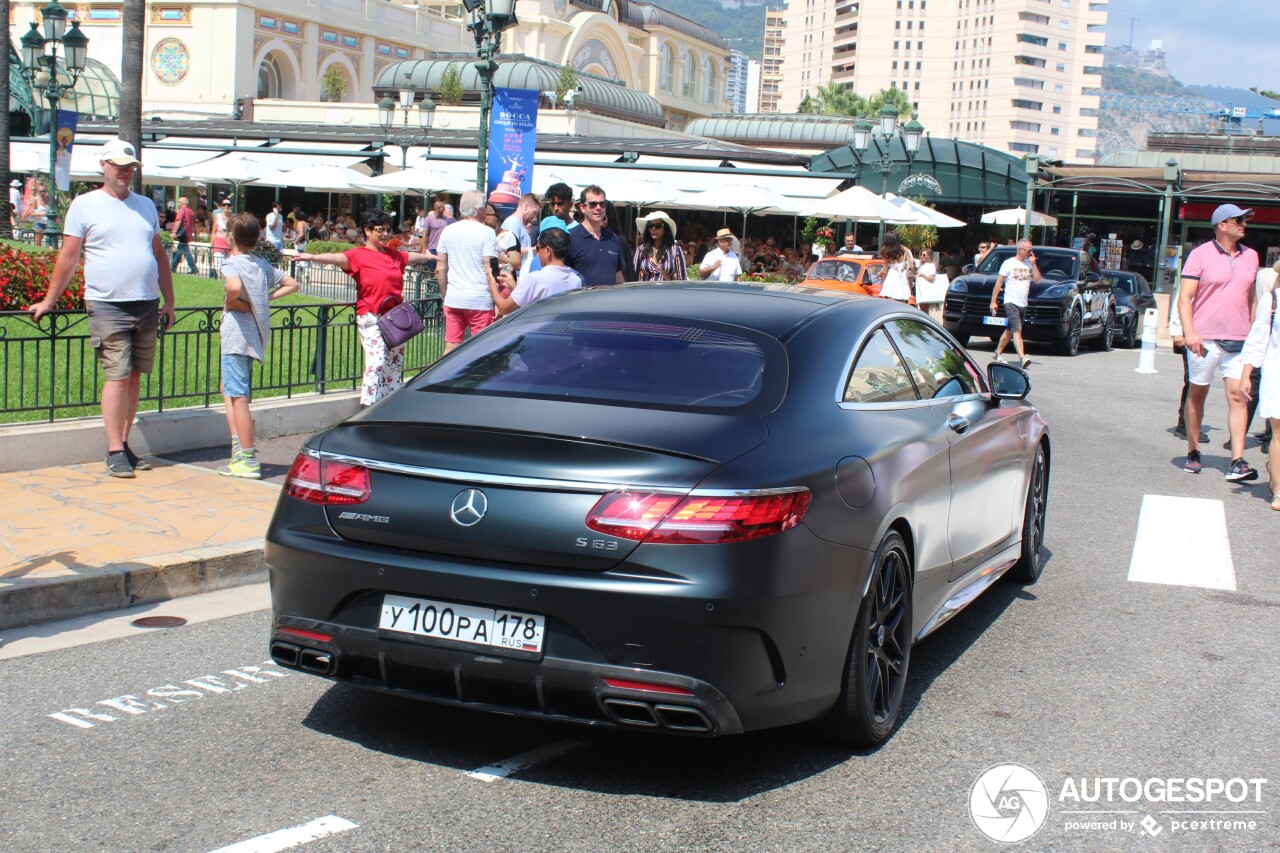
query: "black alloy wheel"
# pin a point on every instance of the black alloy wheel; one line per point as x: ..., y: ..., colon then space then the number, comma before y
x: 1070, y: 345
x: 876, y: 672
x: 1103, y: 342
x: 1031, y: 562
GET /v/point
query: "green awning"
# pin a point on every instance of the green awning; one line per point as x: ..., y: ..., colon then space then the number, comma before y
x: 944, y: 171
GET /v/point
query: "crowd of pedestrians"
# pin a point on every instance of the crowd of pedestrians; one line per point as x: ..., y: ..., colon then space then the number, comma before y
x: 487, y: 267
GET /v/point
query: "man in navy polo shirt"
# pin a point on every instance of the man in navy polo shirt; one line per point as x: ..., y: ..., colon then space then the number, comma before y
x: 594, y: 250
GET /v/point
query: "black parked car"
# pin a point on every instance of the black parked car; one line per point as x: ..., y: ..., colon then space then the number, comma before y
x: 1133, y: 298
x: 686, y: 508
x: 1071, y: 303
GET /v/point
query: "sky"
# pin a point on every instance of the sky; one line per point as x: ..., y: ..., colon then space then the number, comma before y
x: 1210, y: 43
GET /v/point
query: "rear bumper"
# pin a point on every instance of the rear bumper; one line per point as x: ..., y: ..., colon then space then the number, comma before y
x: 742, y: 643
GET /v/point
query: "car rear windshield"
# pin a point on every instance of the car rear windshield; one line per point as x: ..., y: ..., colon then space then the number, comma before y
x: 647, y: 362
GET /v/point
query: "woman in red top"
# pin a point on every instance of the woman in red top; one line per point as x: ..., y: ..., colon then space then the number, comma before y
x: 378, y: 273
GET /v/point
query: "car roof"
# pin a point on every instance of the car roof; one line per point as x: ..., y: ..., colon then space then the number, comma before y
x: 849, y: 256
x: 773, y: 309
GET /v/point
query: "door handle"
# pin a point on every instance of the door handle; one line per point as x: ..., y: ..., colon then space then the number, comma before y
x: 957, y: 423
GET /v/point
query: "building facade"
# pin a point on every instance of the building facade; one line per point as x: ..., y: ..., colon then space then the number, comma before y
x: 737, y: 80
x: 771, y: 64
x: 216, y: 58
x: 1022, y: 76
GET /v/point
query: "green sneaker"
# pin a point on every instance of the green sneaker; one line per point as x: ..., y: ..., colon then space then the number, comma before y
x: 244, y: 467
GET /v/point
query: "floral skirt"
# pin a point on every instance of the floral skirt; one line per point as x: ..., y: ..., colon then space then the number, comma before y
x: 383, y: 368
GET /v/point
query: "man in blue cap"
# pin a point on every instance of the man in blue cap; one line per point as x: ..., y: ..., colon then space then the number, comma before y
x: 1215, y: 304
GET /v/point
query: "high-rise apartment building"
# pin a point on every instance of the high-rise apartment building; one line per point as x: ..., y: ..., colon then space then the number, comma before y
x: 736, y: 80
x: 771, y: 67
x: 1022, y: 76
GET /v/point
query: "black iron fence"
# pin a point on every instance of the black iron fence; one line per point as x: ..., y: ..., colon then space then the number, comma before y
x: 49, y: 370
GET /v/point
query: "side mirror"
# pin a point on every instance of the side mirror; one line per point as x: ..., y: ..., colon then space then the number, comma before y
x: 967, y: 268
x: 1008, y: 382
x: 1092, y: 276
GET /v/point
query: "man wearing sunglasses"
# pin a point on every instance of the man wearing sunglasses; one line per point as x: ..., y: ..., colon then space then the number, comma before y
x: 1215, y: 304
x: 594, y: 250
x: 125, y: 272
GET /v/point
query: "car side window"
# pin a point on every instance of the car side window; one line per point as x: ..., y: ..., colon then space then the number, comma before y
x: 878, y: 374
x: 939, y: 368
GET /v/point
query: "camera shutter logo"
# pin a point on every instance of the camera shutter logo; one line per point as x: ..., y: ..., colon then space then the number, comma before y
x: 468, y: 507
x: 1009, y: 803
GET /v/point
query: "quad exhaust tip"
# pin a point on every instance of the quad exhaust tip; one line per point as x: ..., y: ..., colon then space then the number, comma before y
x: 677, y: 718
x: 300, y: 657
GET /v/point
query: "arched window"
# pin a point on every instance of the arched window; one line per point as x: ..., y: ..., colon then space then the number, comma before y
x: 270, y: 80
x: 335, y: 84
x: 667, y: 73
x: 690, y: 75
x: 709, y: 81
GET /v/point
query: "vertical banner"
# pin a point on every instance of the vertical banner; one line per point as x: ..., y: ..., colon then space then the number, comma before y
x: 66, y: 139
x: 512, y: 141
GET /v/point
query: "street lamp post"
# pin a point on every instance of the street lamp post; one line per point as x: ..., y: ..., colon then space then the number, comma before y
x: 911, y: 133
x: 488, y: 19
x: 1172, y: 176
x: 1033, y: 171
x: 35, y: 58
x: 407, y: 136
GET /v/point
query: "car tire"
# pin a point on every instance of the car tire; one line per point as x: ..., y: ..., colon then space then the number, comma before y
x: 1031, y: 561
x: 962, y: 340
x: 1070, y: 345
x: 875, y: 674
x: 1103, y: 341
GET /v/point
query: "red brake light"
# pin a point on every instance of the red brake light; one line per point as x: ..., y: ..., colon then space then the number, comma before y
x: 307, y: 635
x: 624, y: 684
x: 648, y: 517
x: 317, y: 480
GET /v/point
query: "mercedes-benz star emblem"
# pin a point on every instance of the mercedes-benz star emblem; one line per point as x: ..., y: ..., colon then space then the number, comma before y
x: 469, y: 507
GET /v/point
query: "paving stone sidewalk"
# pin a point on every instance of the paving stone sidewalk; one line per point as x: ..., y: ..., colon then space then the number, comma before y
x: 74, y: 540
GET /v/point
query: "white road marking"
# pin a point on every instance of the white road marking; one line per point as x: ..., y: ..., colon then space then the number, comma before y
x: 1182, y: 542
x: 503, y: 769
x: 283, y: 839
x: 113, y: 625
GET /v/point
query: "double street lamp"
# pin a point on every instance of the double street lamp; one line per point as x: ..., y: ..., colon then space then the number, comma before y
x: 911, y: 134
x: 488, y: 18
x: 407, y: 136
x: 40, y: 69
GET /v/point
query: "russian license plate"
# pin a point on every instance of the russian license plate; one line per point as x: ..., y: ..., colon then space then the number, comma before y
x: 996, y: 321
x: 463, y: 623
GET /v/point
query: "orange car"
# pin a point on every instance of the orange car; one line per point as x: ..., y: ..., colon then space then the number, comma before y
x: 851, y: 273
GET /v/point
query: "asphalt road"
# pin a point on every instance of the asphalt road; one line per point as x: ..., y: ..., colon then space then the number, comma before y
x: 1085, y: 676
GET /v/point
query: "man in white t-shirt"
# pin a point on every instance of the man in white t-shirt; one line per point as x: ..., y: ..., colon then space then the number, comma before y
x: 275, y: 226
x: 1016, y: 275
x: 125, y: 272
x: 15, y: 202
x: 552, y: 278
x: 463, y: 271
x: 721, y: 263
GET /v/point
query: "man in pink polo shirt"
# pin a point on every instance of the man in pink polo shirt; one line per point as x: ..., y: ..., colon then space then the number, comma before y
x: 1215, y: 305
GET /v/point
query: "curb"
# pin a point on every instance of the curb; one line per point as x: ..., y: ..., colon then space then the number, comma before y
x: 127, y: 584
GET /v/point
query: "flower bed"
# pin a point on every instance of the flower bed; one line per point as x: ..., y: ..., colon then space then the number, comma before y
x: 24, y: 279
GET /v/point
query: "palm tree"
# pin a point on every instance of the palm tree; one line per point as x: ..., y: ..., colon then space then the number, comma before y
x: 833, y: 99
x: 893, y: 97
x: 133, y: 23
x: 6, y: 229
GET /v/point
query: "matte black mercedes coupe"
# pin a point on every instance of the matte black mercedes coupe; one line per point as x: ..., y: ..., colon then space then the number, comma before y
x: 688, y: 508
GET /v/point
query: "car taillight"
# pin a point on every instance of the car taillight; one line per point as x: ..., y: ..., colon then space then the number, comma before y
x: 649, y: 517
x: 317, y: 480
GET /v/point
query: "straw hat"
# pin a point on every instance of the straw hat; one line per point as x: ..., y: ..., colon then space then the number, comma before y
x: 725, y: 233
x: 642, y: 223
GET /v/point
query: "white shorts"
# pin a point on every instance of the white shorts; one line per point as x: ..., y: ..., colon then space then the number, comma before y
x: 1200, y: 369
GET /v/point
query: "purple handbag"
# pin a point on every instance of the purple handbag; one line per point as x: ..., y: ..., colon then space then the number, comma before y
x: 398, y: 323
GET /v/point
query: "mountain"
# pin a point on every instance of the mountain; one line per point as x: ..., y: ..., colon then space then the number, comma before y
x: 739, y: 22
